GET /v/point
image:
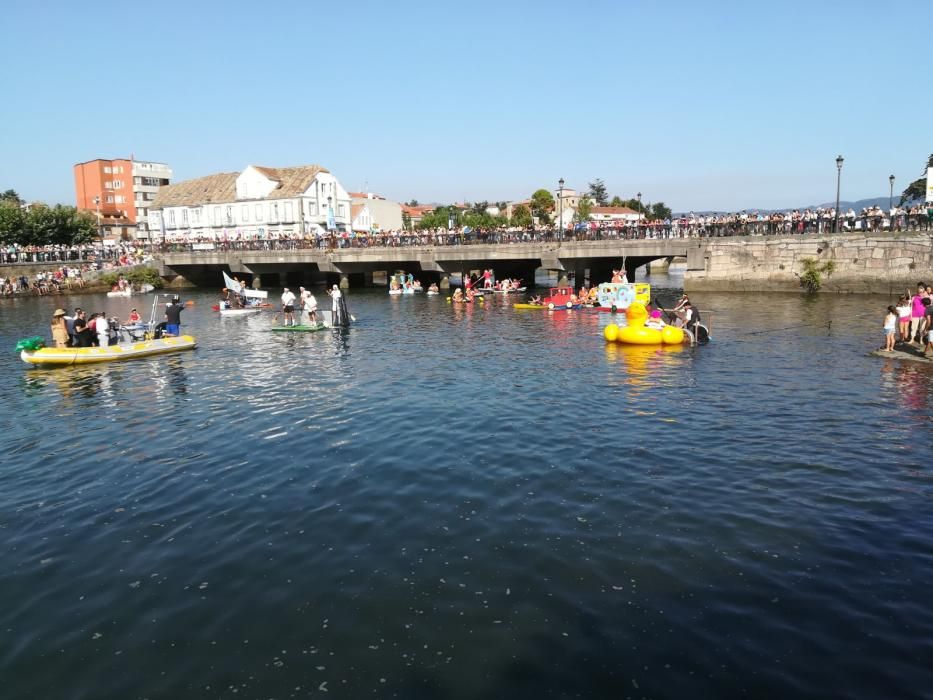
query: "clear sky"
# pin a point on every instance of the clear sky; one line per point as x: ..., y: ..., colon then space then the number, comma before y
x: 704, y: 105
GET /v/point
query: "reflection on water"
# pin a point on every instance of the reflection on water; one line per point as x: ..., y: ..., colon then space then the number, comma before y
x: 383, y: 510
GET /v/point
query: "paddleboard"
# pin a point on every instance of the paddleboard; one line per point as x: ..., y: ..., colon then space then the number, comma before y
x: 298, y: 329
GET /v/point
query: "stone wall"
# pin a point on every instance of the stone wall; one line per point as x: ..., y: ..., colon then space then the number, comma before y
x: 866, y: 264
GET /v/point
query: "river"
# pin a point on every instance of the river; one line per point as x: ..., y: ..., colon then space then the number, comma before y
x: 470, y: 502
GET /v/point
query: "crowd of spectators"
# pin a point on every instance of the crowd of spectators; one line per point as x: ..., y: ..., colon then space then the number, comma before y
x: 79, y: 262
x: 807, y: 221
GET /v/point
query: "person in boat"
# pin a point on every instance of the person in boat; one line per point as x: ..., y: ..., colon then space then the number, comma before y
x: 133, y: 318
x: 433, y: 287
x: 691, y: 317
x: 70, y: 326
x: 617, y: 277
x: 678, y: 310
x: 102, y: 328
x: 83, y: 334
x: 341, y: 315
x: 517, y: 284
x: 288, y: 307
x: 655, y: 321
x: 467, y: 282
x: 59, y: 329
x: 416, y: 285
x: 487, y: 279
x: 173, y: 317
x: 536, y: 299
x: 458, y: 295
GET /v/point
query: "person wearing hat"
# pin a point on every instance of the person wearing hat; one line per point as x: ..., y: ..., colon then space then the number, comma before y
x: 59, y: 330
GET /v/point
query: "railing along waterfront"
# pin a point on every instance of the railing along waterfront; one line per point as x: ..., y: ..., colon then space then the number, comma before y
x: 460, y: 238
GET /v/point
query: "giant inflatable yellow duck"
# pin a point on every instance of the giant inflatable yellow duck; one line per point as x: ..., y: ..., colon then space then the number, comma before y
x: 637, y: 333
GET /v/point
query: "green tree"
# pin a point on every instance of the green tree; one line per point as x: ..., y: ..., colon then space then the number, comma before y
x: 542, y: 204
x: 12, y: 222
x: 598, y: 192
x: 521, y: 216
x: 406, y: 221
x: 634, y: 205
x: 412, y: 203
x: 479, y: 207
x: 584, y: 209
x: 11, y: 197
x: 617, y: 201
x: 659, y: 211
x: 918, y: 188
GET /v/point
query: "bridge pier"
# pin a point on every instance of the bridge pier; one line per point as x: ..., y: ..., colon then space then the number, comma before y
x: 444, y: 284
x: 562, y: 279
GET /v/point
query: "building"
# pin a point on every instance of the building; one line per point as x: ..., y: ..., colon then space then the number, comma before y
x: 415, y: 214
x: 371, y: 212
x: 258, y: 202
x: 119, y: 192
x: 615, y: 215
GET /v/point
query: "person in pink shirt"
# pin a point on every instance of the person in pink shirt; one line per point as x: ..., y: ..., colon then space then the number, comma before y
x: 917, y: 311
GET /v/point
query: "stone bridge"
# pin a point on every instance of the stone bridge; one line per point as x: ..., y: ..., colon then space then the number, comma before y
x: 586, y: 259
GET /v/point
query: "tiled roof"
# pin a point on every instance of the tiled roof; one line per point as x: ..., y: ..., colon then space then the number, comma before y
x: 613, y: 210
x: 202, y: 190
x: 222, y: 186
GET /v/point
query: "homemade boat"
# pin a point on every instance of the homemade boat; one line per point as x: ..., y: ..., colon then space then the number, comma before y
x: 58, y: 357
x: 248, y: 311
x: 128, y: 292
x: 529, y: 306
x: 618, y: 296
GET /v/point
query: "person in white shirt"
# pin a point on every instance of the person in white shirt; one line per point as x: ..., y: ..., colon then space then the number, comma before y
x: 310, y: 305
x: 288, y: 307
x: 103, y: 330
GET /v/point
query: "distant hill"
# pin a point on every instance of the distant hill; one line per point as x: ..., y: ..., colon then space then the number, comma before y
x: 844, y: 205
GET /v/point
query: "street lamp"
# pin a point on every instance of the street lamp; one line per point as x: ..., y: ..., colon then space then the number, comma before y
x: 839, y: 160
x: 638, y: 220
x: 100, y: 230
x: 560, y: 204
x: 891, y: 197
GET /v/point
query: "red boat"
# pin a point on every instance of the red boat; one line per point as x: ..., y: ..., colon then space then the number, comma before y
x: 560, y: 298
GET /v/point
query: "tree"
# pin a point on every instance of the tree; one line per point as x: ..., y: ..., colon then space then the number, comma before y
x: 521, y: 216
x: 42, y: 225
x: 598, y: 192
x: 412, y: 203
x: 11, y: 197
x: 584, y: 209
x: 660, y: 211
x: 406, y: 221
x: 918, y: 188
x: 617, y: 201
x: 480, y: 207
x: 542, y: 204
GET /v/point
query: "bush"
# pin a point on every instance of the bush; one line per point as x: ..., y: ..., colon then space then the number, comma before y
x: 812, y: 277
x: 137, y: 276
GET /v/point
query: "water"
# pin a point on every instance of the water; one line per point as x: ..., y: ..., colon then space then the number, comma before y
x: 470, y: 502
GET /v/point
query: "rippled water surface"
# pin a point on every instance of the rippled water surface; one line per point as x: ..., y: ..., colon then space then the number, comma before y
x: 470, y: 503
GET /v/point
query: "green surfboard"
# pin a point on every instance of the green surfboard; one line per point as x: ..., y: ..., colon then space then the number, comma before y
x: 298, y: 329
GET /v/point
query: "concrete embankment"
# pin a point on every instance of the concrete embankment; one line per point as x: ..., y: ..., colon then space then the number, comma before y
x: 860, y: 263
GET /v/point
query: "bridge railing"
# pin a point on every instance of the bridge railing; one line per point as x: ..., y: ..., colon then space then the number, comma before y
x: 460, y: 238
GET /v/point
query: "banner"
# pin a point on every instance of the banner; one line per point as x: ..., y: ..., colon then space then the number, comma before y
x: 331, y: 224
x: 929, y: 185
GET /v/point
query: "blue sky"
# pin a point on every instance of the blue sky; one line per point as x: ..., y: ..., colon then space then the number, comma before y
x: 716, y: 105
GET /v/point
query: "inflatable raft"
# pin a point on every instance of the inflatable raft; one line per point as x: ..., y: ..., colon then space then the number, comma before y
x: 53, y: 357
x: 298, y: 329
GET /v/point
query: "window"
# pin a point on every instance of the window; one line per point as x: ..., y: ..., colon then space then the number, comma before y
x: 118, y: 184
x: 120, y: 199
x: 258, y: 212
x: 108, y: 185
x: 184, y: 216
x: 216, y: 216
x: 137, y: 181
x: 312, y: 207
x: 107, y: 169
x: 274, y: 216
x: 229, y: 215
x: 196, y: 216
x: 244, y: 213
x: 289, y: 214
x: 340, y: 210
x: 171, y: 217
x: 109, y: 199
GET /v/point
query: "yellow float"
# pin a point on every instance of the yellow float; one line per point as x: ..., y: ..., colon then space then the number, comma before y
x: 637, y: 333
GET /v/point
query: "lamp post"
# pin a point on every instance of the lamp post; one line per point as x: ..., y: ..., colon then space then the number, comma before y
x: 560, y: 206
x: 891, y: 196
x: 638, y: 220
x: 839, y: 160
x: 100, y: 230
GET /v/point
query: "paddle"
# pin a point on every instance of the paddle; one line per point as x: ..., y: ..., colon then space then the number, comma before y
x: 668, y: 313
